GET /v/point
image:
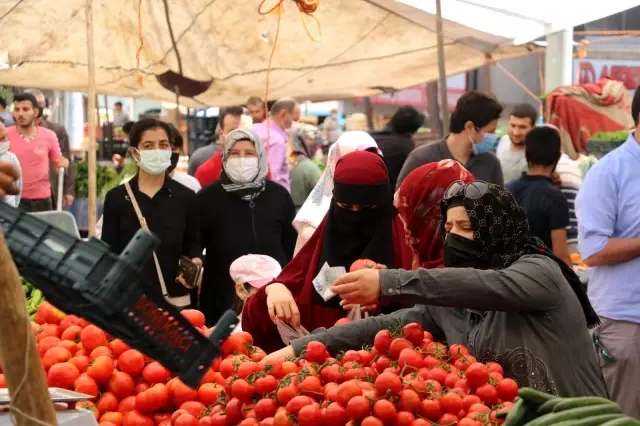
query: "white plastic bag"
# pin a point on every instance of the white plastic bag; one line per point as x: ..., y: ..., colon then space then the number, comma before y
x: 288, y: 333
x: 356, y: 313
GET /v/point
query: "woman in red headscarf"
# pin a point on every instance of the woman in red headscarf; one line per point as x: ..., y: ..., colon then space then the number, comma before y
x: 418, y: 202
x: 361, y: 223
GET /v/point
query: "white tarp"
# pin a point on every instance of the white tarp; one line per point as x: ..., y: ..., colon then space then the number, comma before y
x: 364, y: 44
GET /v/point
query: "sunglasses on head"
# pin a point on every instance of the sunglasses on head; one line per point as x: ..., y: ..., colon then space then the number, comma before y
x: 472, y: 191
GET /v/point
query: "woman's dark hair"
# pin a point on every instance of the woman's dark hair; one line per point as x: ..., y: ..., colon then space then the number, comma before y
x: 635, y: 106
x: 176, y: 138
x: 542, y: 146
x: 27, y: 97
x: 406, y: 120
x: 127, y: 126
x: 525, y: 111
x: 476, y: 107
x: 145, y: 124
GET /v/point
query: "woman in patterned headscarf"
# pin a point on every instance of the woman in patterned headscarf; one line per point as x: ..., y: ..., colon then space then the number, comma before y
x: 502, y: 294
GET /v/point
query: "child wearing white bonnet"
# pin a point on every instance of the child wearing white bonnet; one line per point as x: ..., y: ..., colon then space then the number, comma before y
x: 251, y: 272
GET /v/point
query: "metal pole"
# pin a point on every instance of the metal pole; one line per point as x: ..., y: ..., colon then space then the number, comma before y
x: 91, y: 118
x: 442, y: 73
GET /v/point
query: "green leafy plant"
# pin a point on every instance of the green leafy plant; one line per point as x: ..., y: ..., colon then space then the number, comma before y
x: 619, y: 136
x: 106, y: 178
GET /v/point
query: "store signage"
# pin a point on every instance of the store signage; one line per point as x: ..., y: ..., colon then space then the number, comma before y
x: 626, y: 71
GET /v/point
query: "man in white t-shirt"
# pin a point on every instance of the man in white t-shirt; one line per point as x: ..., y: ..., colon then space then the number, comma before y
x: 510, y: 150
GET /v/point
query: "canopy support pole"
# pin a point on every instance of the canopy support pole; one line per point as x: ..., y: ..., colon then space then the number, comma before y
x: 19, y: 352
x: 442, y: 73
x: 522, y: 86
x: 91, y: 116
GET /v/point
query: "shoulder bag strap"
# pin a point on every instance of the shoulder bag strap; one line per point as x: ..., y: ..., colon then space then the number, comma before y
x: 143, y: 224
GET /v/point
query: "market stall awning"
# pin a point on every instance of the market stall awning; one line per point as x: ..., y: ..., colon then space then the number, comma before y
x: 365, y: 47
x: 522, y: 21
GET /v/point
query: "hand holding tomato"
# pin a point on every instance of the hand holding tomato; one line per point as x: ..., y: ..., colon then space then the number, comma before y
x: 359, y: 288
x: 281, y: 304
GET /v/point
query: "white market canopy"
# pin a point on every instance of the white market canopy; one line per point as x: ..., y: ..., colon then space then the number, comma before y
x: 364, y: 45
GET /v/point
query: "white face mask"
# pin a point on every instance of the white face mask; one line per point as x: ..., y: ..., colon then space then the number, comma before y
x: 155, y: 161
x: 4, y: 146
x: 241, y: 170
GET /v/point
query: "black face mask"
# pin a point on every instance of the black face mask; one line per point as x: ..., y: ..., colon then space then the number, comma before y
x: 175, y: 157
x: 460, y: 252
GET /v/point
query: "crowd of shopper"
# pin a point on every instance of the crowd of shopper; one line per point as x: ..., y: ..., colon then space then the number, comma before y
x: 475, y: 246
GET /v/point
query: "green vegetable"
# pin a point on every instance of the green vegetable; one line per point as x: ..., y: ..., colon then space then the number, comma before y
x: 522, y: 412
x: 534, y: 396
x: 106, y: 178
x: 622, y: 421
x: 610, y: 136
x: 549, y: 406
x: 574, y: 414
x: 569, y: 403
x: 591, y: 421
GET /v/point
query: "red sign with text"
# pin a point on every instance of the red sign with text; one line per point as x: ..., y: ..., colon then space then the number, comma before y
x: 590, y: 72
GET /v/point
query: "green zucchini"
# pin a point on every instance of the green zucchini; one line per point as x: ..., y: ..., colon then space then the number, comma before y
x: 575, y: 414
x: 622, y: 421
x: 583, y: 401
x: 534, y: 396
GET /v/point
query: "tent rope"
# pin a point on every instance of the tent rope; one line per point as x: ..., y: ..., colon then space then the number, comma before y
x: 306, y: 8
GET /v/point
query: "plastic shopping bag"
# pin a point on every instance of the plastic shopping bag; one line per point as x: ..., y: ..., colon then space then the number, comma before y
x: 356, y: 313
x: 288, y: 333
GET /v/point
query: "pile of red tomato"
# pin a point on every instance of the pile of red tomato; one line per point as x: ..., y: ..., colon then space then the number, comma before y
x: 404, y: 379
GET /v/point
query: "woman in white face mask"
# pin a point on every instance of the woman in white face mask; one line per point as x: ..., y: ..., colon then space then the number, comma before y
x: 241, y: 213
x: 153, y: 200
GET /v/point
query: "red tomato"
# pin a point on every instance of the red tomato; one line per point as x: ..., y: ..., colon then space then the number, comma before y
x: 114, y: 417
x: 335, y: 414
x: 107, y: 402
x: 72, y: 333
x: 181, y: 393
x: 121, y: 384
x: 456, y: 351
x: 413, y: 332
x: 3, y: 382
x: 55, y: 355
x: 494, y: 367
x: 469, y: 400
x: 358, y: 407
x: 92, y: 337
x: 233, y: 411
x: 507, y: 389
x: 439, y: 375
x: 47, y: 343
x: 477, y: 374
x: 410, y: 360
x: 286, y: 394
x: 209, y: 393
x: 310, y: 415
x: 194, y: 408
x: 397, y: 345
x: 342, y: 321
x: 118, y: 347
x: 265, y: 385
x: 316, y: 352
x: 100, y: 351
x: 479, y: 408
x: 430, y: 408
x: 89, y: 406
x: 242, y: 390
x: 385, y: 411
x: 371, y: 421
x: 409, y: 401
x: 85, y: 384
x: 451, y: 403
x: 388, y: 383
x: 127, y: 404
x: 153, y: 399
x: 295, y: 405
x: 348, y: 390
x: 362, y: 264
x: 265, y: 408
x: 405, y: 418
x: 488, y: 394
x: 131, y: 362
x: 62, y: 375
x: 48, y: 330
x: 448, y: 419
x: 101, y: 369
x: 135, y: 418
x: 238, y: 343
x: 382, y: 341
x: 195, y: 317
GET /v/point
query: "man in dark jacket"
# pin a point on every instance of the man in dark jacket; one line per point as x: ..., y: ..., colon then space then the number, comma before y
x: 68, y: 188
x: 396, y: 140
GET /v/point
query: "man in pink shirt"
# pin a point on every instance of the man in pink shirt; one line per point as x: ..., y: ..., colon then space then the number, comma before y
x: 35, y: 147
x: 273, y: 132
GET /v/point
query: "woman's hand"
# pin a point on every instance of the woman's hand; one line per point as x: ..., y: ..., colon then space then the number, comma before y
x: 359, y: 288
x: 281, y: 305
x: 9, y: 175
x: 282, y: 354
